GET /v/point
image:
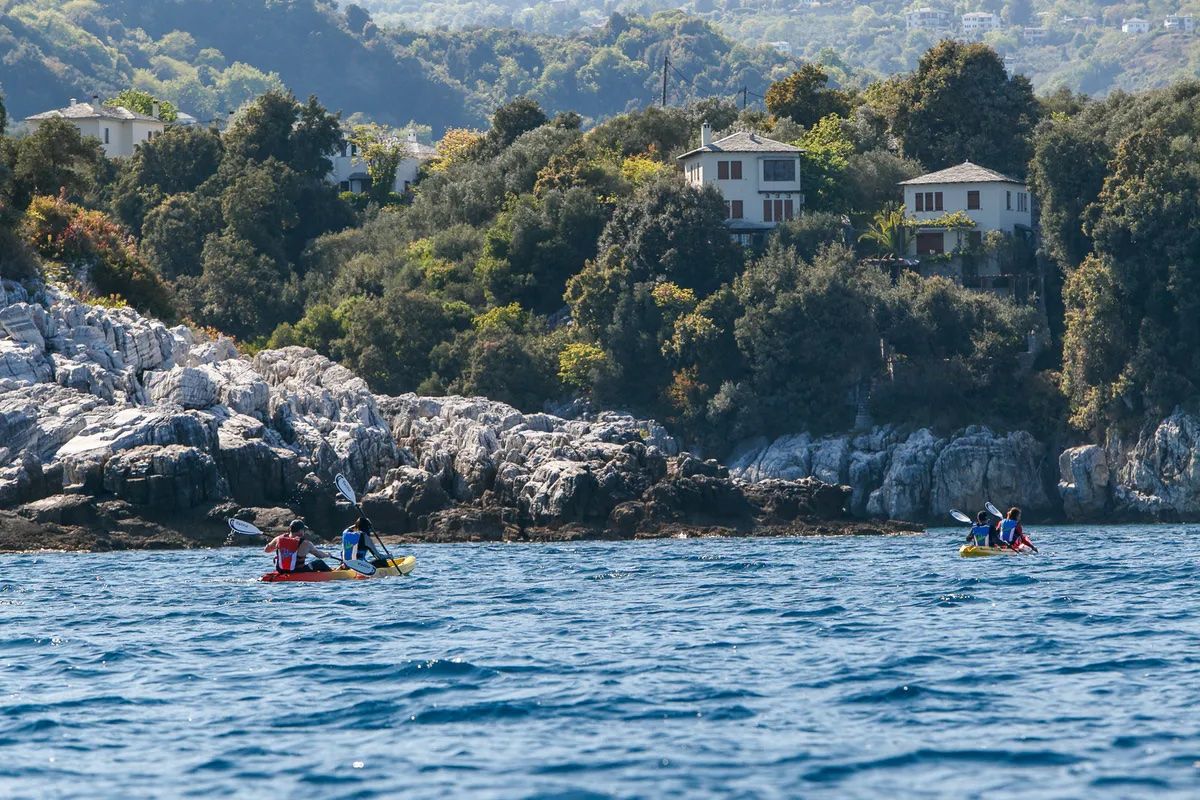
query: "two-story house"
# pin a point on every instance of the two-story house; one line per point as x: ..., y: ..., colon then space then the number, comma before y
x: 1180, y: 23
x: 986, y: 199
x: 1135, y: 25
x: 759, y: 178
x: 349, y: 171
x: 118, y: 129
x: 927, y: 18
x: 977, y: 23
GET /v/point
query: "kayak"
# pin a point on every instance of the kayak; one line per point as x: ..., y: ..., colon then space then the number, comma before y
x: 975, y: 551
x: 397, y: 566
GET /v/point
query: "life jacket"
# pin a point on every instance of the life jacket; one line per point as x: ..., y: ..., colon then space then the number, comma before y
x: 352, y: 543
x: 287, y: 553
x: 980, y: 532
x: 1008, y: 529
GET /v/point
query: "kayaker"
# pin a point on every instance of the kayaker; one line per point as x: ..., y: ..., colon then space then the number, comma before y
x: 1012, y: 535
x: 293, y: 548
x: 356, y: 539
x: 981, y: 531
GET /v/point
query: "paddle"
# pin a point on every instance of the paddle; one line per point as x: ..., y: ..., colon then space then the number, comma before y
x: 244, y: 528
x: 960, y: 516
x: 347, y: 491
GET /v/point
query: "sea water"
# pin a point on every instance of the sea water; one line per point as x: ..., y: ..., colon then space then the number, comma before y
x: 814, y: 667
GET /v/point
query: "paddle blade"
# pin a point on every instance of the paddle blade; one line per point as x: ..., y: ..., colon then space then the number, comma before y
x: 244, y: 528
x: 361, y: 567
x: 960, y: 516
x: 995, y: 512
x: 345, y: 488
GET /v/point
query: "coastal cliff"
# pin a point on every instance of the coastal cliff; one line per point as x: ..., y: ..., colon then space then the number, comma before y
x: 119, y: 431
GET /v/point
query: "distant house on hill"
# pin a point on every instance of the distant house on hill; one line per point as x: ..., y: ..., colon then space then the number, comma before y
x: 927, y: 18
x: 759, y: 178
x: 349, y: 171
x: 1135, y: 25
x: 118, y: 129
x: 977, y: 23
x: 962, y: 213
x: 1180, y: 23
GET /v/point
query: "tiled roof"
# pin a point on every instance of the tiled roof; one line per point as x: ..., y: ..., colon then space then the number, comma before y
x: 90, y: 111
x: 744, y: 142
x: 965, y: 172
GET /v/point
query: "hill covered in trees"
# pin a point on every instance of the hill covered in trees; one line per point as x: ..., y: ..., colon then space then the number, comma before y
x: 211, y: 56
x: 1057, y: 43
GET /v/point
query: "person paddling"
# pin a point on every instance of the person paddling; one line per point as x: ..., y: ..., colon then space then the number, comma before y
x: 293, y: 548
x: 357, y: 539
x: 981, y: 531
x: 1012, y: 535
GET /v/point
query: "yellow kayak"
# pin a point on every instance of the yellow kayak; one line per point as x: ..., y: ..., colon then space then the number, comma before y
x: 397, y: 566
x: 975, y: 551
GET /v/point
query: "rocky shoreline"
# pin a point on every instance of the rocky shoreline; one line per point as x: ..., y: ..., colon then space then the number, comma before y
x: 117, y: 431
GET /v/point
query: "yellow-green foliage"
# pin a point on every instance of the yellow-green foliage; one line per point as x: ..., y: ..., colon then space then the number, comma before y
x: 640, y: 170
x: 579, y: 363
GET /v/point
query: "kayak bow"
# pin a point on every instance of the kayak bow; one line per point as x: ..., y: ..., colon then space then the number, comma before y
x: 975, y: 551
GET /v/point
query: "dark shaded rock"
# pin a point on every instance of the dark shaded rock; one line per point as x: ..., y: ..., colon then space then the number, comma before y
x: 166, y: 478
x: 63, y: 509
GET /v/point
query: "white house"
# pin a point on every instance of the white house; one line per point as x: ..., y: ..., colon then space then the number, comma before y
x: 758, y: 177
x: 118, y: 129
x: 1182, y: 23
x: 1135, y: 25
x: 350, y: 171
x: 994, y: 202
x: 977, y: 23
x: 927, y: 18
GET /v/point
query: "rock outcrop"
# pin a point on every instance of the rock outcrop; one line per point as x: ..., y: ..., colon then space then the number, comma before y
x: 115, y: 421
x: 913, y: 475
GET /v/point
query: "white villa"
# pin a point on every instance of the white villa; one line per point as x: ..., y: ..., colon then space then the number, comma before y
x: 118, y: 129
x: 1180, y: 22
x: 758, y: 177
x: 349, y: 171
x: 978, y: 23
x: 1135, y: 25
x: 993, y: 201
x: 927, y: 18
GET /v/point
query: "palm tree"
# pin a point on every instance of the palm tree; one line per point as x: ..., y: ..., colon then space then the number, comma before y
x: 890, y: 232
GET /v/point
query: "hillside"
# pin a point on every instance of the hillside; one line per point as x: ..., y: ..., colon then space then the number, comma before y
x: 187, y: 53
x: 1081, y: 47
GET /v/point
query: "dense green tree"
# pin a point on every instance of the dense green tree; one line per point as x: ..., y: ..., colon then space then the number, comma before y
x: 277, y: 126
x: 961, y: 105
x: 241, y: 291
x: 804, y: 96
x: 144, y: 103
x: 514, y: 118
x: 174, y: 233
x: 673, y: 230
x: 872, y: 179
x: 179, y: 160
x: 54, y: 158
x: 3, y: 116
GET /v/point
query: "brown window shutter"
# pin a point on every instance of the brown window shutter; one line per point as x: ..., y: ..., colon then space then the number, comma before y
x: 722, y: 170
x: 937, y: 199
x: 766, y: 210
x: 735, y: 170
x: 737, y: 209
x: 920, y: 201
x: 787, y: 209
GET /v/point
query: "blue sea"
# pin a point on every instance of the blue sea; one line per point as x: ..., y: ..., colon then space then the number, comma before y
x: 748, y: 668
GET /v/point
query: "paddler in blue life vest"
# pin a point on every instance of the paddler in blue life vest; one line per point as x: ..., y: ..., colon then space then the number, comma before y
x: 981, y: 531
x: 1012, y: 535
x: 356, y: 542
x: 293, y: 548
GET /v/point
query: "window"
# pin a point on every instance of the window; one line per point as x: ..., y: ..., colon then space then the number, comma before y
x: 1022, y: 201
x: 722, y: 170
x: 920, y: 201
x: 937, y: 201
x: 735, y: 170
x: 929, y: 201
x: 106, y: 135
x: 779, y: 170
x: 733, y: 209
x: 1008, y: 201
x: 975, y: 239
x: 931, y: 242
x: 778, y: 210
x: 973, y: 200
x: 729, y: 170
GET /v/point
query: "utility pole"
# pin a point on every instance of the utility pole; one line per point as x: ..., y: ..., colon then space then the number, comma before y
x: 666, y: 63
x: 744, y: 90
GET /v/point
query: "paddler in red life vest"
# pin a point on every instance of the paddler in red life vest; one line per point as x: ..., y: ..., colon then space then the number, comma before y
x: 1011, y: 532
x: 293, y: 548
